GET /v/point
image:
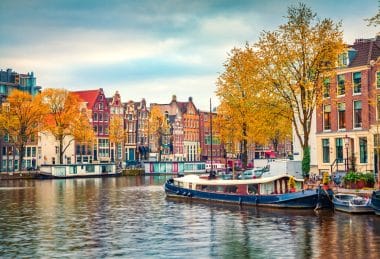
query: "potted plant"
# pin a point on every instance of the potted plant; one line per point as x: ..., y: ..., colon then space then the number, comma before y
x: 292, y: 184
x: 325, y: 180
x: 350, y: 180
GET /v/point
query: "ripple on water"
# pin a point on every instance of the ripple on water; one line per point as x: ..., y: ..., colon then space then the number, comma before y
x: 130, y: 217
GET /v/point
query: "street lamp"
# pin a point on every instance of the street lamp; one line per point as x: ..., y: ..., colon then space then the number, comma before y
x: 347, y: 143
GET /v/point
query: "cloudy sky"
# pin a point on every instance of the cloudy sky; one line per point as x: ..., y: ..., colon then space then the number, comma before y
x: 147, y: 49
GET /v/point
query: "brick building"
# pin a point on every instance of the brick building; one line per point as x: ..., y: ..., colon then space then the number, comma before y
x: 347, y: 119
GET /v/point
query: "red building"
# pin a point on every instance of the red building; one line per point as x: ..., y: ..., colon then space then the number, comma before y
x: 97, y: 106
x: 347, y: 120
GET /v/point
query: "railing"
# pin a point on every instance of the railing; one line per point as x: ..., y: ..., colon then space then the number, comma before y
x: 335, y: 164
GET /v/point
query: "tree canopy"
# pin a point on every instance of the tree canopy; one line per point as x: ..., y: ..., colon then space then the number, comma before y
x: 64, y: 119
x: 21, y: 118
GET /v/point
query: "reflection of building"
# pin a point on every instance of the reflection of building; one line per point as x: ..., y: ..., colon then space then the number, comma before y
x: 347, y: 118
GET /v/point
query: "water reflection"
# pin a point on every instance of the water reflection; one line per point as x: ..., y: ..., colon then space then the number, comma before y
x: 130, y: 217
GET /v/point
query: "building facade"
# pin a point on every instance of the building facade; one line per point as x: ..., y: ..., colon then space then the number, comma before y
x: 98, y: 108
x: 218, y: 152
x: 348, y: 118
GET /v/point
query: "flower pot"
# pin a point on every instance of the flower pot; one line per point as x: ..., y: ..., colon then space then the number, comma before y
x: 360, y: 184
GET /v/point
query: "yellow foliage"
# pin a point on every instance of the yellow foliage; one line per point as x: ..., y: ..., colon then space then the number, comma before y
x: 21, y: 117
x: 116, y: 132
x: 158, y: 125
x: 296, y: 58
x: 64, y: 118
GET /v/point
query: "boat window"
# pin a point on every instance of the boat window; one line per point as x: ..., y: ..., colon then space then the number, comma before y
x: 72, y: 170
x: 267, y: 188
x: 231, y: 188
x: 90, y: 168
x: 253, y: 188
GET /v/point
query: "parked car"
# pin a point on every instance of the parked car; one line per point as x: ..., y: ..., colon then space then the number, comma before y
x: 252, y: 173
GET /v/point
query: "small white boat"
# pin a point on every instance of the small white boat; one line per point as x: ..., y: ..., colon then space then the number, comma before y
x: 352, y: 203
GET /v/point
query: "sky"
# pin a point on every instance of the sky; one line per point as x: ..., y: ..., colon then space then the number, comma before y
x: 148, y: 49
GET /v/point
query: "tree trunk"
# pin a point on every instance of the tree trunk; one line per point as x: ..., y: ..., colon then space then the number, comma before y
x: 245, y: 151
x: 21, y: 156
x: 61, y: 151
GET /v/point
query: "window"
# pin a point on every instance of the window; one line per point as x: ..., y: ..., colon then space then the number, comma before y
x: 357, y: 80
x: 378, y: 79
x: 326, y: 88
x: 96, y: 129
x: 327, y: 117
x: 363, y: 150
x: 100, y: 116
x: 378, y: 107
x: 376, y: 140
x: 341, y: 115
x: 100, y: 106
x: 339, y: 149
x: 357, y: 114
x: 341, y: 88
x: 343, y: 59
x: 95, y: 117
x: 326, y: 150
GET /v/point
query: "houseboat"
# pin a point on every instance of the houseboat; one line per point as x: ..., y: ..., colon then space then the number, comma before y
x: 375, y: 202
x: 271, y: 191
x: 78, y: 170
x: 174, y: 167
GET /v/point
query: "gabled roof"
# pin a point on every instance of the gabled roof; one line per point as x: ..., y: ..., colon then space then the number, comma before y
x: 367, y: 50
x: 88, y: 96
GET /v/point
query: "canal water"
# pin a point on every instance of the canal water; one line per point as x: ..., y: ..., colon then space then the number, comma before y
x: 131, y: 218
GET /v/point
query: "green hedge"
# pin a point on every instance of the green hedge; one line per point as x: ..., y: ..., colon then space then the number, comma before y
x: 353, y: 177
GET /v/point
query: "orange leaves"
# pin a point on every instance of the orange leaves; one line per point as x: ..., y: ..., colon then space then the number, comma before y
x: 296, y: 59
x: 21, y: 116
x: 65, y: 119
x: 116, y: 133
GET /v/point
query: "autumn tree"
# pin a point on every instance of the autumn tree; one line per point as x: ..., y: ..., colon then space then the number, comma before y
x: 239, y: 89
x: 64, y: 119
x: 374, y: 20
x: 116, y: 132
x: 83, y: 133
x: 158, y: 127
x: 21, y: 117
x: 297, y: 57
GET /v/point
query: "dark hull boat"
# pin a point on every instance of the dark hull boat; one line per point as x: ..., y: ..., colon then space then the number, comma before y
x: 268, y: 191
x: 375, y: 200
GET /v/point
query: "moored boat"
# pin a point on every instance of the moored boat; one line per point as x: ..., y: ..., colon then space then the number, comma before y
x: 268, y: 191
x: 352, y: 203
x: 78, y: 171
x: 375, y: 202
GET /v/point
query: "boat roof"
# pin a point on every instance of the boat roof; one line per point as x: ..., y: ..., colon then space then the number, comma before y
x: 197, y: 180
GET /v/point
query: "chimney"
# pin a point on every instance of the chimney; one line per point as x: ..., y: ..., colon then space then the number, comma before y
x: 190, y: 99
x: 174, y: 98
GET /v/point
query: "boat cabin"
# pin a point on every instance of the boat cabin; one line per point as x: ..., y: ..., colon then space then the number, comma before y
x: 260, y: 186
